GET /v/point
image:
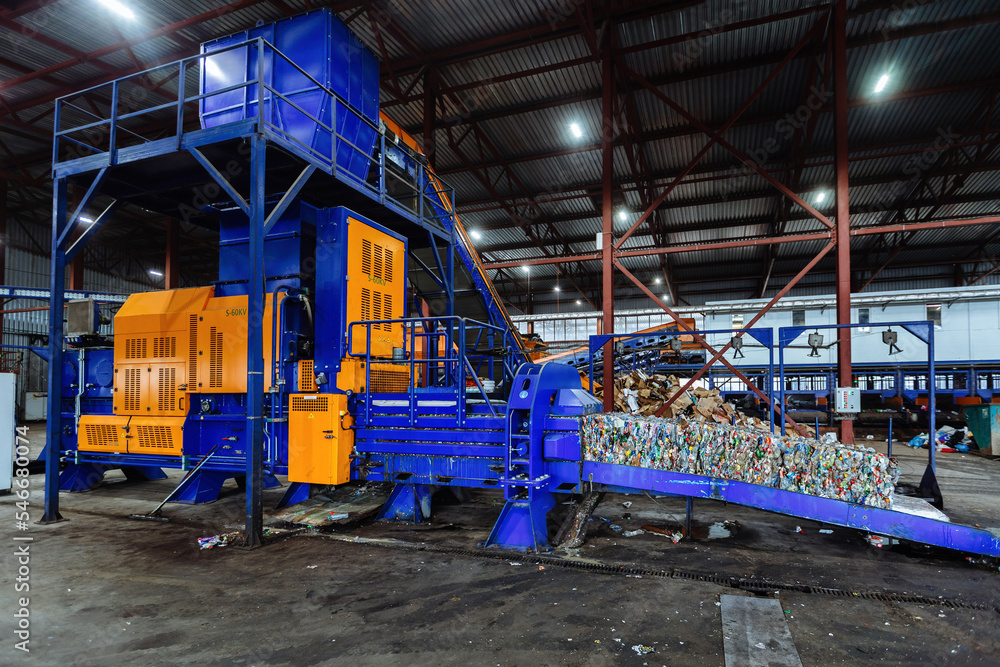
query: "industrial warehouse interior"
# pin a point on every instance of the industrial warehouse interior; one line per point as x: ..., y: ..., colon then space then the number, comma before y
x: 464, y: 332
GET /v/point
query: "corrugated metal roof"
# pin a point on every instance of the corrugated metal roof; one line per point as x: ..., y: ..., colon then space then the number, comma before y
x: 941, y: 77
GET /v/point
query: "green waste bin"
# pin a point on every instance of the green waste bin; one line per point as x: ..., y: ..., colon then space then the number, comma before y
x: 984, y: 422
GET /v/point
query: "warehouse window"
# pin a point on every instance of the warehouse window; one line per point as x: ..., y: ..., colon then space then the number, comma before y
x: 798, y: 318
x: 864, y: 317
x: 934, y: 313
x: 738, y: 321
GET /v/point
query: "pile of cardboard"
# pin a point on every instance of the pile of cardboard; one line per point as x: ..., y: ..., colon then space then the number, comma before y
x: 637, y: 393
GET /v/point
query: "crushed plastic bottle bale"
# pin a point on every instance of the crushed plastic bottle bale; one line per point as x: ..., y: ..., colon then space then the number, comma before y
x: 853, y: 474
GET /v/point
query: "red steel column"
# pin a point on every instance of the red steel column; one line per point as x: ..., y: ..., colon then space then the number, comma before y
x: 171, y: 272
x: 843, y: 228
x: 76, y: 272
x: 607, y: 261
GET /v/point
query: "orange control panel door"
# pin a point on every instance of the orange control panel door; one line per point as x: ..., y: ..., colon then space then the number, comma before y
x: 319, y: 439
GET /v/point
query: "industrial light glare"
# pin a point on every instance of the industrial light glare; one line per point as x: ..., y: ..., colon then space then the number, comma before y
x: 155, y: 273
x: 576, y: 130
x: 657, y: 281
x: 526, y: 268
x: 578, y: 302
x: 665, y: 297
x: 476, y: 235
x: 84, y: 218
x: 622, y: 215
x: 882, y: 82
x: 212, y: 69
x: 820, y: 197
x: 118, y: 8
x: 557, y: 288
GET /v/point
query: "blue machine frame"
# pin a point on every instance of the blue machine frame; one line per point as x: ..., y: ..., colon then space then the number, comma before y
x: 438, y: 434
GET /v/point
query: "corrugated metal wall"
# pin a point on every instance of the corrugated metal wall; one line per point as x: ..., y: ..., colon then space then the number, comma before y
x: 30, y: 329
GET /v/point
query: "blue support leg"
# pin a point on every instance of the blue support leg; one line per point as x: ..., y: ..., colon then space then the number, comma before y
x: 409, y: 503
x: 202, y: 487
x: 522, y: 525
x: 296, y: 492
x: 81, y: 477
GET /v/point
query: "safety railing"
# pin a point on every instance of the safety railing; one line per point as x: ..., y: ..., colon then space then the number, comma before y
x: 127, y: 114
x: 437, y: 362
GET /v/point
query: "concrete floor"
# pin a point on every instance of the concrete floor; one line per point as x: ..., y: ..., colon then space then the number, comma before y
x: 107, y: 590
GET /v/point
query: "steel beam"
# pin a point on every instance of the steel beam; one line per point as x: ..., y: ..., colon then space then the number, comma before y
x: 253, y: 532
x: 843, y: 227
x: 57, y: 285
x: 608, y: 221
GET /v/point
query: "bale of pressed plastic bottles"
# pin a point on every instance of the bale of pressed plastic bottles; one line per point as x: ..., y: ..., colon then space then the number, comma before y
x: 791, y: 463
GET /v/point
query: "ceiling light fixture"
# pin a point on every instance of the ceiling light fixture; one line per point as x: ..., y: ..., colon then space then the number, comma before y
x: 882, y: 82
x: 576, y: 130
x: 155, y: 273
x: 476, y: 235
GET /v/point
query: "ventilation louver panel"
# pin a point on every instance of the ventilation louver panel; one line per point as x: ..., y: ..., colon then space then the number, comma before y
x: 164, y: 347
x: 389, y: 380
x: 135, y: 348
x: 377, y: 309
x: 366, y: 256
x: 307, y: 375
x: 303, y: 404
x: 377, y: 268
x: 155, y: 437
x: 133, y: 389
x: 215, y: 358
x: 192, y: 352
x: 366, y: 304
x: 167, y: 384
x: 101, y: 436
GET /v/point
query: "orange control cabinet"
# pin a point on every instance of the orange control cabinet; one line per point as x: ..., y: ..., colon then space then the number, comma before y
x: 320, y: 439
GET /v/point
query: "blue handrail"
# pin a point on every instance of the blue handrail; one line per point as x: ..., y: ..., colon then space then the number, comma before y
x: 445, y: 374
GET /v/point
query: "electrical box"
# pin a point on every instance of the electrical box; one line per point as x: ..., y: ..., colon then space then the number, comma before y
x: 320, y: 439
x: 82, y: 318
x: 847, y: 400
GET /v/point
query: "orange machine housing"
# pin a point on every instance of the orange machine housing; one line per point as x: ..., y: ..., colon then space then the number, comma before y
x: 169, y: 346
